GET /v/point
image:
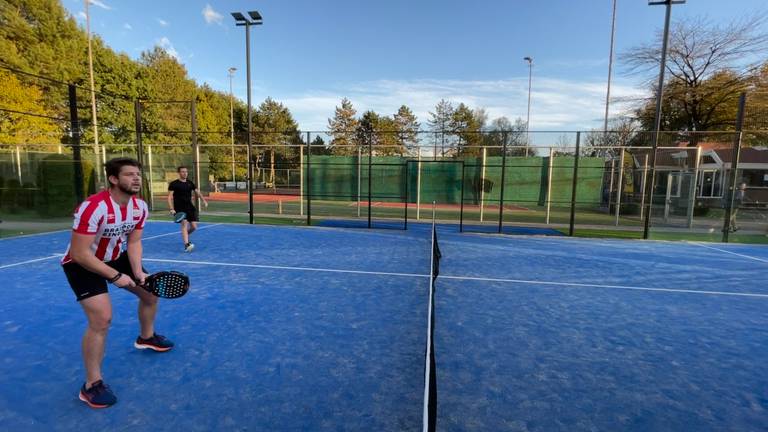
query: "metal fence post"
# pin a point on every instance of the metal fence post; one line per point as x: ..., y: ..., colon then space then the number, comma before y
x: 503, y: 180
x: 734, y: 167
x: 575, y: 184
x: 76, y: 157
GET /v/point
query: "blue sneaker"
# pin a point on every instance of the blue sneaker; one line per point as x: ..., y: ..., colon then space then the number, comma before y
x: 156, y: 342
x: 98, y: 396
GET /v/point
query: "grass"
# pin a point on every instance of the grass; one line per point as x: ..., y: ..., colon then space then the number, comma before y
x: 289, y: 213
x: 670, y: 236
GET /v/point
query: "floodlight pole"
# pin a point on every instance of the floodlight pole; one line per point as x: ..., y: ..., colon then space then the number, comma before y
x: 243, y: 21
x: 528, y: 118
x: 232, y: 122
x: 657, y: 121
x: 94, y: 118
x: 610, y: 69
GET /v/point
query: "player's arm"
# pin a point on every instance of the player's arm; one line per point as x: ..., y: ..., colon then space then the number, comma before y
x: 170, y: 201
x: 135, y: 251
x: 82, y: 254
x: 200, y: 196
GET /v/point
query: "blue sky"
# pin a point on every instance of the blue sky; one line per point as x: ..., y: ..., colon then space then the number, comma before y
x: 381, y: 54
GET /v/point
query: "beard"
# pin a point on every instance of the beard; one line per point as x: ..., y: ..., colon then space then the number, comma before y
x: 128, y: 190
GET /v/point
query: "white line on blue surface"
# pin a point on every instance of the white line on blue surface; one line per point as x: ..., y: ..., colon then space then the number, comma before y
x: 61, y: 255
x: 467, y: 278
x: 729, y: 252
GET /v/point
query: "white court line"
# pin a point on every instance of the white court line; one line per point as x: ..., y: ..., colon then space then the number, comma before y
x: 533, y: 282
x: 729, y: 252
x: 178, y: 232
x: 61, y: 255
x: 312, y: 269
x: 35, y: 234
x: 29, y: 261
x: 623, y: 287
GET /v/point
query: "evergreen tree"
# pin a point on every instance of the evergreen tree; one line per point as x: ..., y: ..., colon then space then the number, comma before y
x: 342, y: 128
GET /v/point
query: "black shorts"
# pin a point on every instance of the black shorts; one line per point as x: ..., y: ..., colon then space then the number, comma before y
x: 85, y: 283
x: 191, y: 212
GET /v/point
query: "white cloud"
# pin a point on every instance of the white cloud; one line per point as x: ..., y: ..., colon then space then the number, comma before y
x: 81, y: 15
x: 100, y: 4
x: 556, y: 104
x: 211, y: 16
x: 163, y: 22
x: 127, y: 26
x: 166, y: 45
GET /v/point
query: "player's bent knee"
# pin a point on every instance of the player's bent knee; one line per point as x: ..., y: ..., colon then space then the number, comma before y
x: 100, y: 323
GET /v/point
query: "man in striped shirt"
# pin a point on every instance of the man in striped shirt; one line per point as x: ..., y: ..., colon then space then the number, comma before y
x: 105, y: 223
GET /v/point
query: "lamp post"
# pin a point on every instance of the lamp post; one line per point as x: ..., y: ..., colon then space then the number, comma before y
x: 232, y: 122
x: 94, y: 118
x: 528, y: 118
x: 659, y: 95
x: 241, y: 20
x: 610, y: 69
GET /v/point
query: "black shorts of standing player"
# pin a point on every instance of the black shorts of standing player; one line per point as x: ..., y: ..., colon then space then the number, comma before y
x: 192, y: 214
x: 85, y: 283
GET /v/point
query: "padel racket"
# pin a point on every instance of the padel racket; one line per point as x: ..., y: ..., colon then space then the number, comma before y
x: 179, y: 216
x: 167, y: 284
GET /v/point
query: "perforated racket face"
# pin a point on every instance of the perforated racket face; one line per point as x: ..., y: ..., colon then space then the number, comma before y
x: 179, y: 216
x: 169, y: 284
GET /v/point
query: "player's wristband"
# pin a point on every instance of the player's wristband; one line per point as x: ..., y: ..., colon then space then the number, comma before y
x: 117, y: 276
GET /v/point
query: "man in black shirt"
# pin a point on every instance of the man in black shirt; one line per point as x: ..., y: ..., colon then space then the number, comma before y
x: 180, y: 200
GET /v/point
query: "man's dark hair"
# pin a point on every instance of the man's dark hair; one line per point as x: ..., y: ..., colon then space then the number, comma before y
x: 113, y: 166
x: 181, y: 167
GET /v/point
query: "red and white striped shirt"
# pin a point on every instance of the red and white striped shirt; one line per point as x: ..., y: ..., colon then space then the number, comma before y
x: 103, y: 217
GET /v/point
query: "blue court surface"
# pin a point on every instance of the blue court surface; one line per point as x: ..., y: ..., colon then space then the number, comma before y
x: 314, y: 329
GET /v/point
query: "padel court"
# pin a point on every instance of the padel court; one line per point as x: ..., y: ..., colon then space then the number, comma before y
x: 325, y: 329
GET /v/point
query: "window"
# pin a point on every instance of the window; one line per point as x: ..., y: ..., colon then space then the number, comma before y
x: 755, y: 177
x: 710, y: 184
x: 675, y: 182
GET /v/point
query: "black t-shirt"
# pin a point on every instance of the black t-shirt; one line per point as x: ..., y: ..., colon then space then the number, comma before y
x: 182, y: 193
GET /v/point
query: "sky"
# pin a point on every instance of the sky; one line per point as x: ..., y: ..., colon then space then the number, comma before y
x: 309, y: 54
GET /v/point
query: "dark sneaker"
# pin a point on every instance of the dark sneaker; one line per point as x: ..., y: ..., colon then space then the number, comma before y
x: 156, y: 342
x: 98, y: 396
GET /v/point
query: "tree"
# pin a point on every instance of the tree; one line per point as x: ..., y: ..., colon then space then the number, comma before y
x: 501, y: 128
x: 26, y: 129
x: 318, y: 146
x: 380, y: 132
x: 706, y: 69
x: 622, y: 132
x: 165, y: 79
x: 343, y: 127
x: 465, y: 124
x: 212, y: 127
x: 276, y: 136
x: 439, y: 122
x: 407, y: 128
